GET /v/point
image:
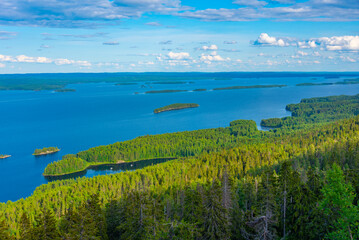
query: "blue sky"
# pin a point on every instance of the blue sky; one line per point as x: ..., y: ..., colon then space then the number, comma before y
x: 175, y: 35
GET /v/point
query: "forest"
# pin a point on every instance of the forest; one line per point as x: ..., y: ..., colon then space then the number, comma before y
x: 226, y: 183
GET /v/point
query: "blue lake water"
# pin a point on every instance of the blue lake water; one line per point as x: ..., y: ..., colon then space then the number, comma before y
x: 103, y: 113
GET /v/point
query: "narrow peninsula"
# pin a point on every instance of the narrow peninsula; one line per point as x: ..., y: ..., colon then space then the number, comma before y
x: 45, y: 151
x: 176, y: 106
x: 3, y: 156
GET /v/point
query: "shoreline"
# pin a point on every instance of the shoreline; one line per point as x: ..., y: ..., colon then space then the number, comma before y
x: 5, y: 156
x: 121, y: 162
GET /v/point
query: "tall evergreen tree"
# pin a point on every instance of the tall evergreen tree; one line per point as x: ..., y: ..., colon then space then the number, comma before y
x: 337, y: 204
x: 26, y: 229
x: 215, y: 222
x: 4, y: 231
x: 45, y: 228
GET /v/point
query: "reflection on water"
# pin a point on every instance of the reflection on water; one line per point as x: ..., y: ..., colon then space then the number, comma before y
x: 111, y: 168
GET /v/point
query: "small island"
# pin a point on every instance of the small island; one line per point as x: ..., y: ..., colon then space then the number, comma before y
x: 3, y: 156
x: 200, y: 90
x: 45, y: 151
x: 176, y: 106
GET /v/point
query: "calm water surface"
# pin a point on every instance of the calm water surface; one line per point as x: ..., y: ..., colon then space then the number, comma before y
x: 102, y: 113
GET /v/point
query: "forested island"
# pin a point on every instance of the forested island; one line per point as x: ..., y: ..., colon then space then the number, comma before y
x: 297, y: 181
x: 45, y: 151
x: 175, y: 106
x: 3, y: 156
x: 248, y: 87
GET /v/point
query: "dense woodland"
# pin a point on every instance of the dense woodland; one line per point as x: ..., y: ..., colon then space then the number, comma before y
x: 300, y: 183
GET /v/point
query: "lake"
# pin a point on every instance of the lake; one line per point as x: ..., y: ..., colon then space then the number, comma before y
x: 103, y: 113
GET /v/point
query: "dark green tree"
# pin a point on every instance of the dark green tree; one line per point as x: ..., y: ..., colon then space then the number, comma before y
x: 338, y: 207
x: 45, y: 228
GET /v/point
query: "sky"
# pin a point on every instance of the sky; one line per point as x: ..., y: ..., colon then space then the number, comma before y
x: 50, y: 36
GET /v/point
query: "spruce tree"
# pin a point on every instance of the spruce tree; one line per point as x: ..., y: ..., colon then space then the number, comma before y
x: 45, y: 228
x: 26, y: 229
x: 338, y: 207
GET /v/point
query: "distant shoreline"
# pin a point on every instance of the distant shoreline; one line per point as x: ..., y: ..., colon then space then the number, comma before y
x: 4, y: 156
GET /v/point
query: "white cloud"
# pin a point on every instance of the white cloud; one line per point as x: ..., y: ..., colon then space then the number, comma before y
x: 213, y: 57
x: 266, y: 40
x: 28, y: 59
x: 336, y: 43
x: 178, y: 56
x: 211, y: 47
x: 2, y: 65
x: 301, y: 53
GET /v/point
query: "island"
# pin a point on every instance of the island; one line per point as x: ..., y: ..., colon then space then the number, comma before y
x: 45, y: 151
x: 176, y: 106
x: 3, y: 156
x: 166, y: 91
x: 65, y: 90
x: 200, y: 90
x: 248, y: 87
